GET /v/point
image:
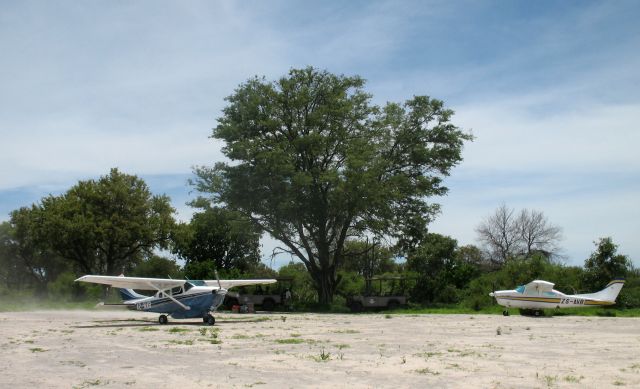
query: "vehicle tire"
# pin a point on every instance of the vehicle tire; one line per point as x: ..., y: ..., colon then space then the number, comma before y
x: 393, y: 304
x: 230, y: 302
x: 163, y: 319
x: 505, y: 313
x: 356, y: 306
x: 209, y: 319
x: 268, y: 305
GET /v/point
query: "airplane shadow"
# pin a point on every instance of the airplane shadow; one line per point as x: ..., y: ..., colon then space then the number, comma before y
x: 124, y: 323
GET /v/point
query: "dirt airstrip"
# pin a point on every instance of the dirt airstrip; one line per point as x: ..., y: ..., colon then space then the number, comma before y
x: 65, y: 349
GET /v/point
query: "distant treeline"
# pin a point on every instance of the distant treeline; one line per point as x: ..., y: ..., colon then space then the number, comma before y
x: 115, y: 225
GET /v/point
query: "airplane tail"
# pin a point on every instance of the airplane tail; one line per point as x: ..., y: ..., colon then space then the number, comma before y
x: 610, y: 292
x: 129, y: 294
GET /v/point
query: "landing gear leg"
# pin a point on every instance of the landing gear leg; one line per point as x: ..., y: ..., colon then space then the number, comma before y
x: 209, y: 319
x: 505, y: 313
x: 163, y: 319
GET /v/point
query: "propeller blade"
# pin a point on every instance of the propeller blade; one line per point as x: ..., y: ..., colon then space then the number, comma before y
x: 218, y: 279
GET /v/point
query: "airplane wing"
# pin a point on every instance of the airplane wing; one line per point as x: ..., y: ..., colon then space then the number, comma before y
x: 140, y: 283
x: 227, y: 284
x: 538, y: 286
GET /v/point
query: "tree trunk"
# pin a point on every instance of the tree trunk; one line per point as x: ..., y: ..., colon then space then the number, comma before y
x: 325, y: 282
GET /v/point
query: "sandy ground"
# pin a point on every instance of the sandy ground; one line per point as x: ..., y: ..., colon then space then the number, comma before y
x: 64, y: 349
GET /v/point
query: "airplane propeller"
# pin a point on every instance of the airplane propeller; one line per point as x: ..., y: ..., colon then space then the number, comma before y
x: 218, y: 279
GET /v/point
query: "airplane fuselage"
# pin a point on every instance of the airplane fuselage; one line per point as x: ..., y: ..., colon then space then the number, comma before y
x: 199, y: 299
x: 552, y: 299
x: 538, y: 295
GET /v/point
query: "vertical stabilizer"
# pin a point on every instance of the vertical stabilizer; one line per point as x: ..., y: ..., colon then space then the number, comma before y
x: 609, y: 293
x: 130, y: 294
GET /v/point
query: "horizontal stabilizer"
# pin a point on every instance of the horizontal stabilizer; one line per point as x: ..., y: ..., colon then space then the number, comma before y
x: 111, y: 307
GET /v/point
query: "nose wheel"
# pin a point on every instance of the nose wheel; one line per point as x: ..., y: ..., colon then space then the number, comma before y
x: 209, y: 319
x: 505, y: 313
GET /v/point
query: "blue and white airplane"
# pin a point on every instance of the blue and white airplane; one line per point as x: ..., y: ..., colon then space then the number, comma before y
x: 181, y: 299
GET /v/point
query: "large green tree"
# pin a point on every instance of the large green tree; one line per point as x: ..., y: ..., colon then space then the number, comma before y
x: 217, y: 238
x: 441, y: 268
x: 314, y: 162
x: 605, y: 264
x: 27, y: 254
x: 100, y: 226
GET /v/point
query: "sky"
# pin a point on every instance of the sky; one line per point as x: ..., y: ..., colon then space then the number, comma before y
x: 549, y: 89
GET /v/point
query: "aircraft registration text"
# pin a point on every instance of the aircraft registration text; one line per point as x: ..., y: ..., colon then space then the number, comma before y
x: 143, y: 306
x: 572, y: 301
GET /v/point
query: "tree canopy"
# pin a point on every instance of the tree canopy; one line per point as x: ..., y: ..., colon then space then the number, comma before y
x: 314, y: 162
x: 507, y: 234
x: 101, y: 226
x: 217, y: 238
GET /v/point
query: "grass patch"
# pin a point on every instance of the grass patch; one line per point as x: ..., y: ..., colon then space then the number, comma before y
x: 290, y: 341
x: 322, y: 357
x: 573, y: 379
x: 147, y: 329
x: 345, y: 331
x: 73, y: 363
x: 187, y: 342
x: 428, y: 354
x: 178, y: 330
x: 255, y: 383
x: 426, y: 370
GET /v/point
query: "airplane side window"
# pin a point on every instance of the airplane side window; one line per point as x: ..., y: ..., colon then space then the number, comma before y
x: 520, y: 289
x: 176, y: 290
x: 187, y: 286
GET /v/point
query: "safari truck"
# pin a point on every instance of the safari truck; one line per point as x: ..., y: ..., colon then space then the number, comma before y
x: 389, y: 294
x: 267, y: 299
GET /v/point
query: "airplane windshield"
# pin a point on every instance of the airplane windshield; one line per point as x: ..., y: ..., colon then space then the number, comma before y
x: 520, y: 289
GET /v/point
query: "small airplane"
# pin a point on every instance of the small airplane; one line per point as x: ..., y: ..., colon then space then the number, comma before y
x: 538, y: 294
x: 181, y: 299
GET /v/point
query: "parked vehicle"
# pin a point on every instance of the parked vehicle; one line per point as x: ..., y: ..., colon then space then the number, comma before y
x: 389, y: 294
x: 276, y: 296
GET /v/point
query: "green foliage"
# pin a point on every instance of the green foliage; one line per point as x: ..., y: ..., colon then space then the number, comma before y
x: 605, y: 264
x: 302, y: 288
x: 29, y: 261
x: 63, y: 286
x: 157, y: 266
x: 368, y: 260
x: 313, y: 161
x: 225, y: 239
x: 103, y: 226
x: 442, y: 273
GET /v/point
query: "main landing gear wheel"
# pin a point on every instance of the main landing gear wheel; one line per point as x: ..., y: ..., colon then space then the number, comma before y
x: 163, y: 319
x: 505, y: 313
x: 209, y: 319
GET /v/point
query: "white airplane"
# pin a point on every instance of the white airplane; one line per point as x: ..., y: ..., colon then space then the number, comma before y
x: 537, y: 295
x: 181, y: 299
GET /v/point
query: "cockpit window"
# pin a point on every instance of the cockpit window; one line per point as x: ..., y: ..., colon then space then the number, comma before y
x: 191, y: 283
x: 520, y: 289
x: 176, y: 290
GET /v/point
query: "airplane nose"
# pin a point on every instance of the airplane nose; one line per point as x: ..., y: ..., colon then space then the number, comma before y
x: 492, y: 294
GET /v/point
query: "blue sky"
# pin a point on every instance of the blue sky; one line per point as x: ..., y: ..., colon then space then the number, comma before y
x: 548, y: 88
